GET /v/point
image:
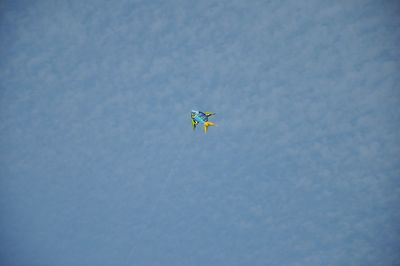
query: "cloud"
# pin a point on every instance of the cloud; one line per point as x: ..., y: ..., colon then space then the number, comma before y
x: 96, y: 137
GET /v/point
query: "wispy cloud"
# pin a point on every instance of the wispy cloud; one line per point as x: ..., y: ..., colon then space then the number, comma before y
x: 98, y: 154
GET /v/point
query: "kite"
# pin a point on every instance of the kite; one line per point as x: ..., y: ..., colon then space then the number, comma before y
x: 202, y: 118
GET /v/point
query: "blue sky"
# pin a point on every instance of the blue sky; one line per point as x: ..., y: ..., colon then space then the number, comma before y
x: 99, y: 164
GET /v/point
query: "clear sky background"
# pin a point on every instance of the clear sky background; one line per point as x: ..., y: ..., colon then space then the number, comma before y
x: 99, y: 164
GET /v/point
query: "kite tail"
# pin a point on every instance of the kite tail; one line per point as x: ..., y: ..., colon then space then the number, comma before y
x: 208, y: 124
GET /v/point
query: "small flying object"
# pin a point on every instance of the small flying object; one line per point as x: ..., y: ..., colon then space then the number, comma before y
x: 202, y: 118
